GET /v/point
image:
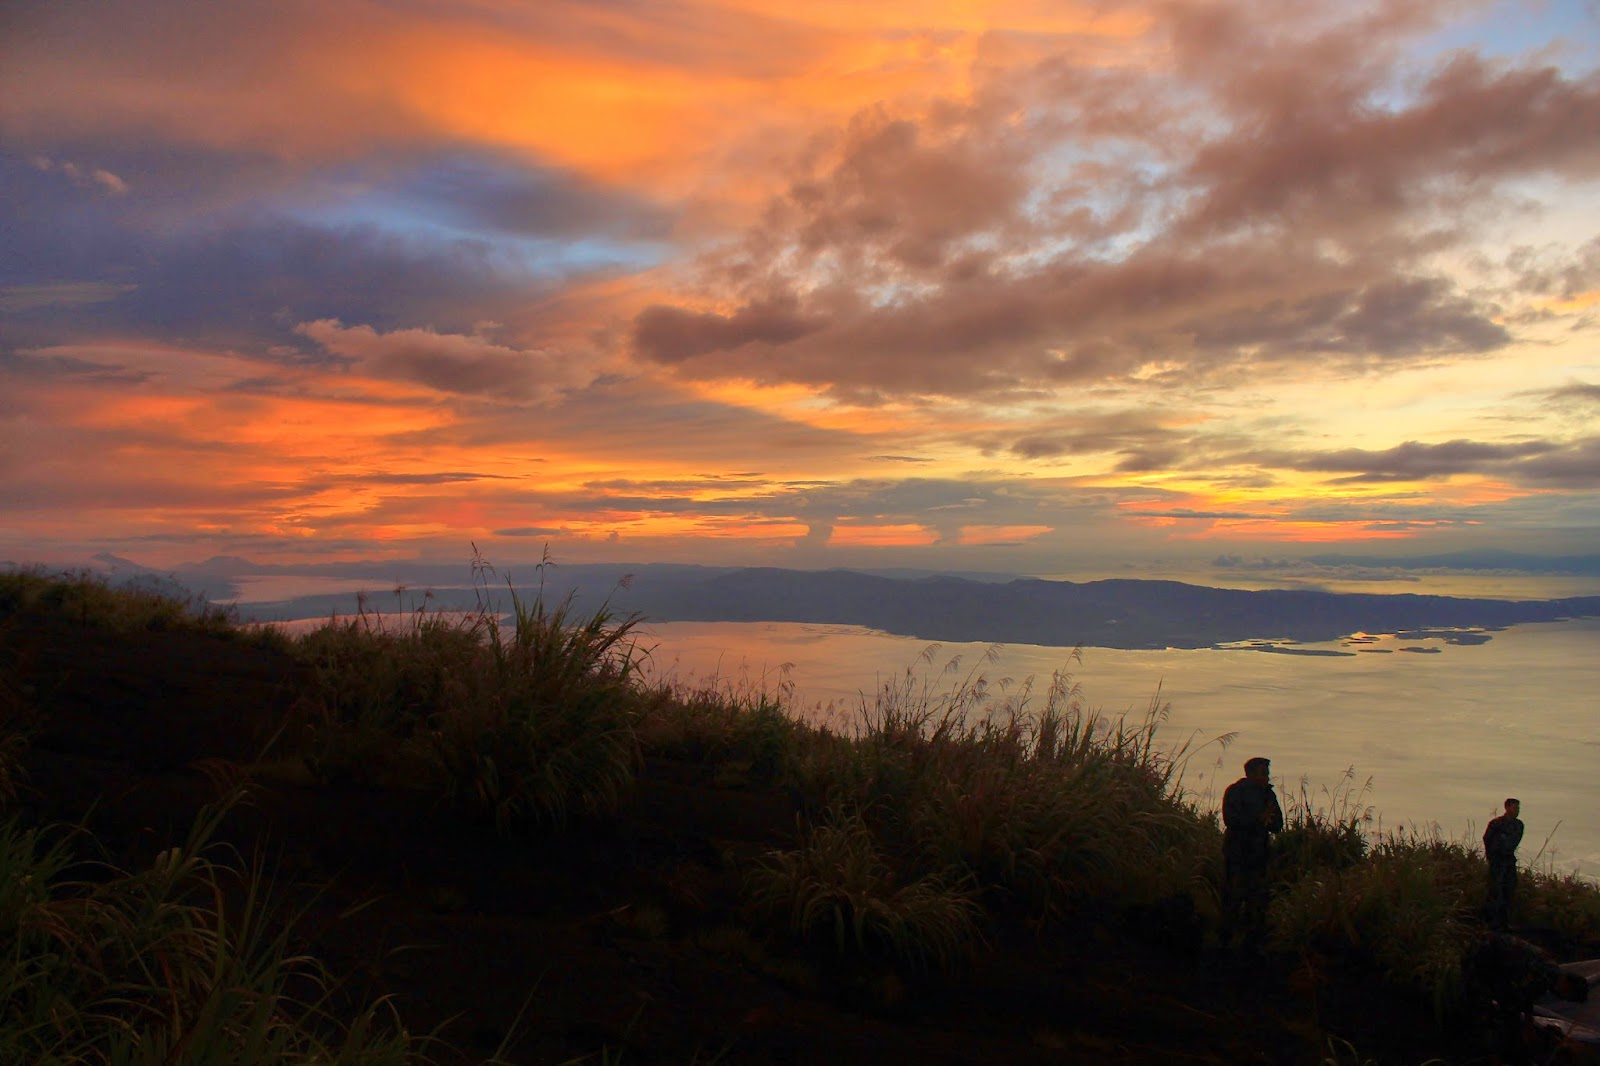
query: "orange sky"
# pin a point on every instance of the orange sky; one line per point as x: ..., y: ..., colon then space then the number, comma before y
x: 989, y: 286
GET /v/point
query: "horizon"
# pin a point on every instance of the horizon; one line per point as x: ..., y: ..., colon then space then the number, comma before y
x: 242, y: 582
x: 1296, y: 295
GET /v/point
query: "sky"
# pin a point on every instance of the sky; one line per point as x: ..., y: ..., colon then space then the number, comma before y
x: 1027, y: 286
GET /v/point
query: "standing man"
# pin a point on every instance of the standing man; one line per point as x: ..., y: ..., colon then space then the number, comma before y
x: 1250, y: 814
x: 1500, y: 839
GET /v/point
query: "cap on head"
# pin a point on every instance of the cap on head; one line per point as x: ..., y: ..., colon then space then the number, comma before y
x: 1512, y: 801
x: 1257, y: 764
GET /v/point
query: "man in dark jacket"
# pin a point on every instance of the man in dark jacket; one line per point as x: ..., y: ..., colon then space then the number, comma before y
x: 1500, y: 839
x: 1250, y: 814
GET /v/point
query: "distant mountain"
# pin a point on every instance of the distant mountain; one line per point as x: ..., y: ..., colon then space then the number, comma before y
x: 1118, y: 613
x: 1484, y: 559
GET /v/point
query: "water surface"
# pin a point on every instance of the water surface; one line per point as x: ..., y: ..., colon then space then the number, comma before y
x: 1443, y: 730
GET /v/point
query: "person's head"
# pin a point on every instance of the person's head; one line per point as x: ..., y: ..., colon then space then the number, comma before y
x: 1513, y: 807
x: 1258, y: 770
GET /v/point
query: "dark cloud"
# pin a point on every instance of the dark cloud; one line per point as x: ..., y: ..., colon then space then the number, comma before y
x: 1414, y: 461
x: 1579, y: 393
x: 1002, y: 334
x: 447, y: 477
x: 237, y: 250
x: 1558, y: 272
x: 1141, y: 460
x: 1137, y: 434
x: 700, y: 484
x: 1340, y: 158
x: 1185, y: 512
x: 50, y: 367
x: 1286, y: 198
x: 86, y: 491
x: 1574, y: 468
x: 1402, y: 317
x: 901, y: 192
x: 671, y: 335
x: 450, y: 362
x: 242, y: 283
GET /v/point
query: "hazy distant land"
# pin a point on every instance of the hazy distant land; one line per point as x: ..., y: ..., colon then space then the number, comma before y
x: 1118, y: 613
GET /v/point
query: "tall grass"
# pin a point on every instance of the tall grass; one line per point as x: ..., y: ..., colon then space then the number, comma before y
x: 550, y: 724
x: 1409, y: 910
x: 529, y: 720
x: 188, y: 960
x: 1323, y: 829
x: 15, y: 716
x: 1054, y: 810
x: 376, y: 688
x: 838, y: 887
x: 957, y: 802
x: 744, y: 735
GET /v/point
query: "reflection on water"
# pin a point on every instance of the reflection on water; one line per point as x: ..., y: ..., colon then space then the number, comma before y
x: 1379, y: 581
x: 1445, y: 728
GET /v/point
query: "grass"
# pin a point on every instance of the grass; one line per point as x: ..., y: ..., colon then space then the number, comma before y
x: 90, y: 599
x: 1052, y: 809
x: 189, y: 959
x: 839, y: 889
x: 534, y: 720
x: 1408, y: 909
x: 956, y: 805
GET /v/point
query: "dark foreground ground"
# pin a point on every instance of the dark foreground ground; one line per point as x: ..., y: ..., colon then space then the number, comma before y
x: 621, y: 942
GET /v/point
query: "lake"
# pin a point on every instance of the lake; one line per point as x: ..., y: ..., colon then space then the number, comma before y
x: 1444, y: 731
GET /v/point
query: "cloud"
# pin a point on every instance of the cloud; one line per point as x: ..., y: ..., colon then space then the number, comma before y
x: 449, y: 362
x: 717, y: 268
x: 1416, y: 461
x: 16, y: 299
x: 1333, y: 159
x: 222, y: 252
x: 49, y: 366
x: 83, y: 177
x: 1184, y: 512
x: 1035, y: 235
x: 1575, y: 467
x: 1577, y: 394
x: 671, y: 335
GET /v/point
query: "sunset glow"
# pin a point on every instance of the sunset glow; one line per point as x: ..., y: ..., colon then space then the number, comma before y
x: 975, y: 285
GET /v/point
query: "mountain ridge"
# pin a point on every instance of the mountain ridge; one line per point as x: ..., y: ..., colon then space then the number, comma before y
x: 1127, y: 613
